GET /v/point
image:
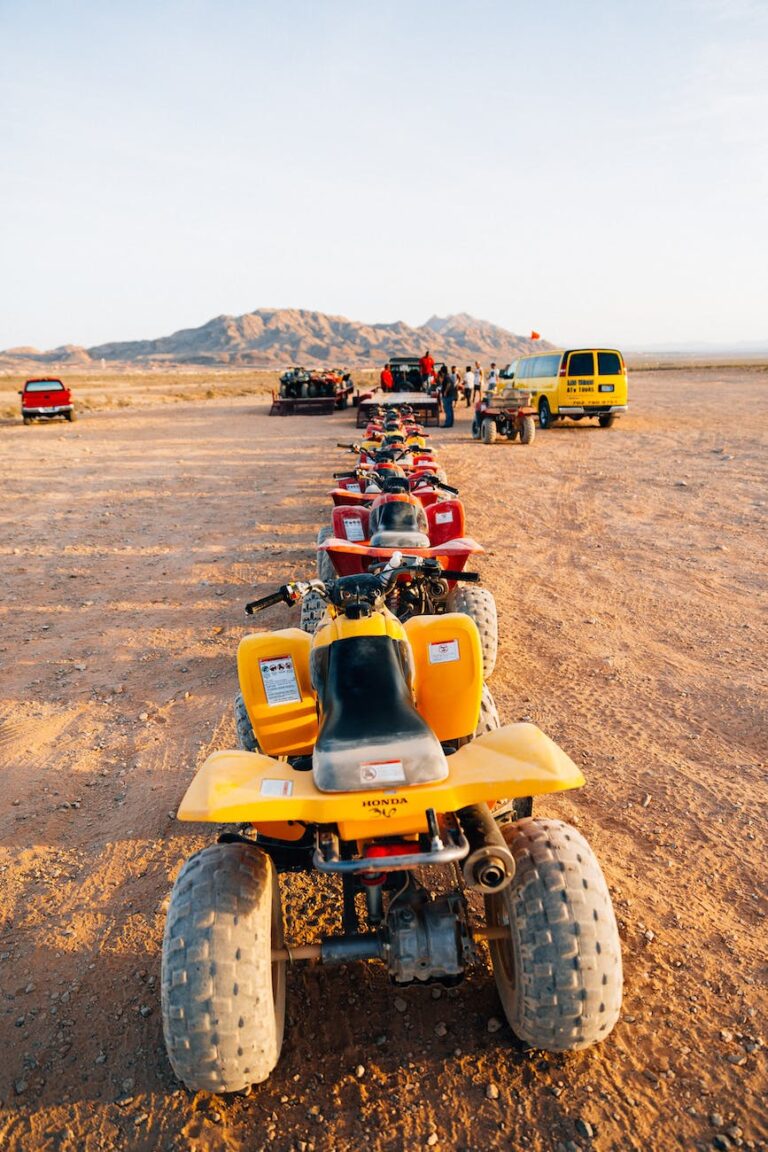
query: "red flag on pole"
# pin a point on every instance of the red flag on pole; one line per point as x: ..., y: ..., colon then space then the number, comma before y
x: 535, y: 336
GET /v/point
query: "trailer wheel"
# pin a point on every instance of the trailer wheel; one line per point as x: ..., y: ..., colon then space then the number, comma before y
x: 488, y: 431
x: 527, y: 430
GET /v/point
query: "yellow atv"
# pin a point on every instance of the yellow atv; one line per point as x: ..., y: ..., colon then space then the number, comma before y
x: 367, y: 768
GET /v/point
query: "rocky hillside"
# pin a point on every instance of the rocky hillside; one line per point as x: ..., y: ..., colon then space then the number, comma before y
x: 273, y: 337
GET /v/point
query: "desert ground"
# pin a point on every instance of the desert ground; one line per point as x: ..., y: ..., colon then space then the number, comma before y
x: 629, y: 569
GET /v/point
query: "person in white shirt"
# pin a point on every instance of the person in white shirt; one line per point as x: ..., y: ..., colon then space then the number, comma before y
x: 493, y: 378
x: 478, y: 382
x: 469, y: 384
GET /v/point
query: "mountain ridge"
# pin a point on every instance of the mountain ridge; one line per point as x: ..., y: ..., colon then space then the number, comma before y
x: 274, y: 337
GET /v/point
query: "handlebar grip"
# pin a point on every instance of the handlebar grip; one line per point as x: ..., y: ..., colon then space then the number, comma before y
x: 266, y: 602
x: 447, y: 487
x: 470, y: 577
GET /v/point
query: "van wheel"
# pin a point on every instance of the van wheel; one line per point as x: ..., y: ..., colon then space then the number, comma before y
x: 527, y: 430
x: 223, y: 997
x: 558, y: 971
x: 545, y: 413
x: 488, y: 431
x: 606, y: 420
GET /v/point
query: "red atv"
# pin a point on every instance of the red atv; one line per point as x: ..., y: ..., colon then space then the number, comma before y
x: 433, y: 537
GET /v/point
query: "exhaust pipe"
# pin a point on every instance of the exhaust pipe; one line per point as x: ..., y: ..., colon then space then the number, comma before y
x: 490, y: 866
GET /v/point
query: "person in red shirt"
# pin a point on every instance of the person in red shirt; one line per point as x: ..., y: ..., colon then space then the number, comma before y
x: 427, y: 370
x: 385, y: 380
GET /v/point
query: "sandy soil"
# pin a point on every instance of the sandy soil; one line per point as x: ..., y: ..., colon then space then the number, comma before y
x: 629, y: 569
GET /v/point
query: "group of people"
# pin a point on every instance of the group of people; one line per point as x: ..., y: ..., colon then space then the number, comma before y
x: 449, y: 384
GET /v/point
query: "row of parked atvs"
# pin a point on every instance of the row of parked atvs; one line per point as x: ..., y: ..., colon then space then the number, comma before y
x: 370, y: 748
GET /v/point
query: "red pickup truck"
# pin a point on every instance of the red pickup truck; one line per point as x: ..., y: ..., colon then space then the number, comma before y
x: 45, y: 398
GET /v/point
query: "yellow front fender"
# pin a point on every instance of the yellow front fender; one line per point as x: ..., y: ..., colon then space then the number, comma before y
x: 246, y: 787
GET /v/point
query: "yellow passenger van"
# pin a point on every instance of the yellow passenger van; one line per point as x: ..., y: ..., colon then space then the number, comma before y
x: 578, y: 382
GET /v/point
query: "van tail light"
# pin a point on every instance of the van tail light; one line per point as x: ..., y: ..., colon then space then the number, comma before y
x: 561, y: 373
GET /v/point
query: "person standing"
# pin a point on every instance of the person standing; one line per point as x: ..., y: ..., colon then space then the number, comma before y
x: 426, y: 370
x: 477, y: 384
x: 385, y: 380
x: 468, y: 385
x: 450, y: 393
x: 493, y: 378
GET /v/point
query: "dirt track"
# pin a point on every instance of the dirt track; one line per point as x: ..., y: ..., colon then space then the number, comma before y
x: 629, y: 569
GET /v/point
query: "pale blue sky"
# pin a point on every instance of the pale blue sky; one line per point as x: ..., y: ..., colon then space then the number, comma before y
x: 596, y: 170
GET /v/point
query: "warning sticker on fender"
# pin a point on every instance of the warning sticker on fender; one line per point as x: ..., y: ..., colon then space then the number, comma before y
x: 382, y: 772
x: 276, y: 788
x: 444, y: 653
x: 279, y: 680
x: 353, y: 528
x: 443, y: 517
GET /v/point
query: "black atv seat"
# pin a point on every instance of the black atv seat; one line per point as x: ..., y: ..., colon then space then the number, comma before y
x: 371, y: 735
x: 394, y: 539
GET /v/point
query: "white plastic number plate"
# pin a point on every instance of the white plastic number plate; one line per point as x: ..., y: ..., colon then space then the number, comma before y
x: 353, y: 487
x: 276, y: 788
x: 353, y: 529
x: 444, y: 653
x: 279, y: 680
x: 382, y: 772
x: 443, y: 517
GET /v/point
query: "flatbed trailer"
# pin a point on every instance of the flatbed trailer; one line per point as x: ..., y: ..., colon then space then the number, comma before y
x: 425, y: 407
x: 302, y: 406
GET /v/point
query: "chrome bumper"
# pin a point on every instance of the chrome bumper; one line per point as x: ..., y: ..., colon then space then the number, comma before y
x: 49, y: 410
x: 596, y: 410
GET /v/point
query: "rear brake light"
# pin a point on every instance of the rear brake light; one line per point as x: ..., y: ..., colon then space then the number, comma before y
x: 562, y: 370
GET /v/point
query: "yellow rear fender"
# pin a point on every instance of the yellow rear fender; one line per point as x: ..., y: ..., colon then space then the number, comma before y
x: 247, y: 787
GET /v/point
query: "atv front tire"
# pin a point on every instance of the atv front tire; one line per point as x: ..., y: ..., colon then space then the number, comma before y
x: 312, y: 612
x: 479, y: 604
x: 325, y: 568
x: 489, y: 713
x: 223, y: 999
x: 558, y: 973
x: 246, y: 737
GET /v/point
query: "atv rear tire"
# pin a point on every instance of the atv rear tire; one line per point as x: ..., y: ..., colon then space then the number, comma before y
x: 527, y: 430
x: 312, y: 612
x: 223, y: 999
x: 488, y: 431
x: 481, y: 606
x: 325, y: 568
x: 559, y: 973
x: 246, y: 737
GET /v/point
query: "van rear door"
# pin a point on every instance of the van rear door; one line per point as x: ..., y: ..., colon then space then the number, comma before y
x: 580, y: 383
x: 611, y: 378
